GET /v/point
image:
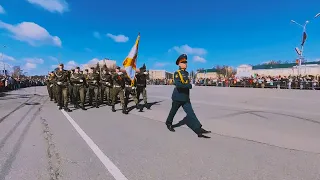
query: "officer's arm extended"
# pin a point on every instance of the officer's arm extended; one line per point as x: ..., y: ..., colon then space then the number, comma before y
x: 179, y: 84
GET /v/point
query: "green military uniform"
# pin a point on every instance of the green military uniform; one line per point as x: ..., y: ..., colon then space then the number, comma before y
x: 106, y: 85
x: 141, y: 84
x: 130, y: 90
x: 63, y: 79
x: 118, y: 89
x: 78, y: 81
x: 181, y: 97
x: 49, y: 82
x: 94, y: 87
x: 86, y: 86
x: 70, y: 87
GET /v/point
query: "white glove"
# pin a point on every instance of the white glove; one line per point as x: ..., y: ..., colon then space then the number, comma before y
x: 133, y: 87
x: 119, y: 73
x: 51, y: 85
x: 94, y: 81
x: 81, y: 80
x: 59, y: 83
x: 107, y: 83
x: 145, y: 73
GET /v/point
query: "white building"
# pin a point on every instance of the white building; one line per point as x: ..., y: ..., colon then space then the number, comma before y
x: 110, y: 64
x: 308, y: 68
x: 160, y: 74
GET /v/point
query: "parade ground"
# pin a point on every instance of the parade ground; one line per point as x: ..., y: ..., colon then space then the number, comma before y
x: 257, y: 134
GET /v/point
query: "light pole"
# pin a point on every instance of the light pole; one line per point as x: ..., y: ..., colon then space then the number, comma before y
x: 304, y: 36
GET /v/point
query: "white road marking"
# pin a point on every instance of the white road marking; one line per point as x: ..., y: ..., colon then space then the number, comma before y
x: 114, y: 171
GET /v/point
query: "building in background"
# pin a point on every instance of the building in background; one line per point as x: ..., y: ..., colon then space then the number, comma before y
x: 110, y: 64
x: 160, y: 74
x: 307, y: 68
x: 207, y: 73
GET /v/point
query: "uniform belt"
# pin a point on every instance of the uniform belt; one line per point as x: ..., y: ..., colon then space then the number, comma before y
x: 78, y: 84
x: 116, y: 86
x: 128, y: 86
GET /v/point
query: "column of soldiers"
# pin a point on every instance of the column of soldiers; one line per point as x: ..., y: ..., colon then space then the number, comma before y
x: 101, y: 86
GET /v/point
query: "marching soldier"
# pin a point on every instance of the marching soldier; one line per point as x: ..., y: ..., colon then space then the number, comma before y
x: 86, y: 86
x: 70, y: 87
x: 141, y: 83
x: 63, y: 79
x: 130, y: 90
x: 118, y: 89
x: 78, y: 82
x: 93, y: 79
x: 106, y: 85
x: 181, y: 97
x: 50, y: 87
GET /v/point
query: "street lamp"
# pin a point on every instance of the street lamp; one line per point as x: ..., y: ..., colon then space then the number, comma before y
x: 4, y: 65
x: 303, y: 40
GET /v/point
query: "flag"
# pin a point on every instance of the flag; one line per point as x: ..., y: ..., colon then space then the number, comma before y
x: 130, y: 63
x: 304, y: 37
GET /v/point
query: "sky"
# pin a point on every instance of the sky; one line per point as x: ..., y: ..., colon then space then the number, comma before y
x: 37, y: 34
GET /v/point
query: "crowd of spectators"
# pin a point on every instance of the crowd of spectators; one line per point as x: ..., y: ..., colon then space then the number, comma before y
x: 8, y: 83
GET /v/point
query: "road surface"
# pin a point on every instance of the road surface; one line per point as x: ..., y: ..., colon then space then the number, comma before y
x: 258, y: 134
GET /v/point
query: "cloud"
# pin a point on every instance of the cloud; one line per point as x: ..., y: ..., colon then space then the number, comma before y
x: 29, y: 66
x: 59, y: 6
x: 54, y: 66
x: 118, y: 38
x: 88, y: 49
x: 2, y: 11
x: 70, y: 65
x: 31, y: 33
x: 199, y: 59
x: 6, y: 57
x: 189, y: 50
x: 94, y: 61
x: 53, y: 58
x: 96, y: 35
x: 34, y: 60
x: 160, y: 64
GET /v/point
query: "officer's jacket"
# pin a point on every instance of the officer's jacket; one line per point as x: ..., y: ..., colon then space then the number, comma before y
x: 106, y: 79
x: 62, y: 77
x: 93, y: 79
x: 119, y: 80
x: 77, y: 79
x: 182, y: 84
x: 141, y: 80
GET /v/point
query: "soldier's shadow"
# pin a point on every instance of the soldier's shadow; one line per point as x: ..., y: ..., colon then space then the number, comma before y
x: 148, y: 105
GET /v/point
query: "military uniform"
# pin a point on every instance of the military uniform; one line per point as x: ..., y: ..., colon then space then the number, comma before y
x: 141, y: 84
x: 63, y: 79
x: 86, y: 86
x: 118, y: 89
x: 130, y: 90
x: 94, y: 88
x: 78, y: 81
x: 49, y: 82
x: 106, y: 85
x: 181, y: 97
x: 70, y: 87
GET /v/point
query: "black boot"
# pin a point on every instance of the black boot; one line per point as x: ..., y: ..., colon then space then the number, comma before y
x: 124, y: 110
x: 113, y: 108
x: 67, y: 109
x: 147, y: 105
x: 60, y: 107
x: 97, y: 105
x: 83, y: 108
x: 169, y: 126
x: 200, y: 133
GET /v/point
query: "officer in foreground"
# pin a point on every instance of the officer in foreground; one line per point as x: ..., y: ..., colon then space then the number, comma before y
x: 63, y: 80
x: 181, y: 97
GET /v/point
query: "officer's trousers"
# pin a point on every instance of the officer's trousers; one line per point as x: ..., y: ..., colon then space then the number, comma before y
x: 70, y: 89
x: 63, y: 96
x: 94, y: 91
x: 143, y: 91
x: 129, y: 91
x: 50, y: 91
x: 78, y: 94
x: 106, y: 93
x: 115, y: 92
x: 191, y: 119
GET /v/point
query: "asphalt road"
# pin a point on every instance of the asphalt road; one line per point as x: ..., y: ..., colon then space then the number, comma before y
x: 258, y: 134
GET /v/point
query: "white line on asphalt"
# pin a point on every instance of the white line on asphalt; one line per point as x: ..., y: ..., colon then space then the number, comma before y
x: 114, y: 171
